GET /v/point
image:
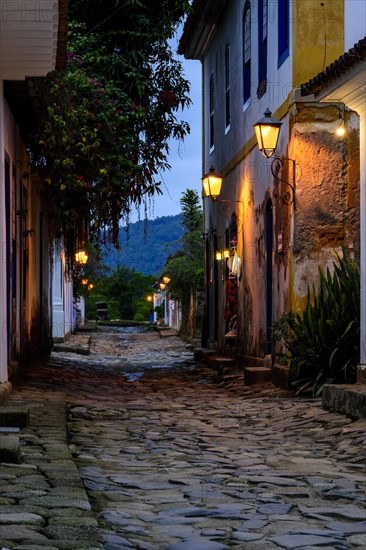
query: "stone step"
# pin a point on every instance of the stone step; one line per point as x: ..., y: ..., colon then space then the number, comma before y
x: 282, y: 377
x: 257, y: 375
x: 16, y: 416
x: 223, y: 364
x: 348, y: 399
x: 67, y: 348
x: 207, y: 355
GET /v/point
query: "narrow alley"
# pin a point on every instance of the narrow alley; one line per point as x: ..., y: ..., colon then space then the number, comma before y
x: 159, y: 453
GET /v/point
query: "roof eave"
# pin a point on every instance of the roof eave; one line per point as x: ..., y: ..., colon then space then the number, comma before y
x: 347, y: 63
x: 200, y: 27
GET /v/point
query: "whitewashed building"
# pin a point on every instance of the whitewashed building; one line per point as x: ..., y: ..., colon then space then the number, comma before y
x: 32, y: 43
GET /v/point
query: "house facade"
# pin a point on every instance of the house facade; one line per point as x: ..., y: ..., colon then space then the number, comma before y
x: 276, y: 219
x: 345, y: 80
x: 32, y: 43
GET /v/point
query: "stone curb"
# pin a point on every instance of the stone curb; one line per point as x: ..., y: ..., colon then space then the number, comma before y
x: 43, y: 500
x: 345, y: 399
x: 5, y: 391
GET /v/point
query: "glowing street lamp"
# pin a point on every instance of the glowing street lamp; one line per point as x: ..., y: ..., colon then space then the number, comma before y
x: 212, y: 184
x: 81, y: 257
x: 267, y: 131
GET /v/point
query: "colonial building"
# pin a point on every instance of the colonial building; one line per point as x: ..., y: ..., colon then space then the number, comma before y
x: 345, y: 80
x: 280, y: 213
x: 32, y: 43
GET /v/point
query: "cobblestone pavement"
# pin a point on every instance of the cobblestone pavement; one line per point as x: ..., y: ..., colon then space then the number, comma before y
x: 170, y: 457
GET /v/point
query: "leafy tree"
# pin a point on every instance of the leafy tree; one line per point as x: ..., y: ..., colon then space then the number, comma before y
x: 191, y: 211
x: 127, y: 288
x: 186, y: 267
x: 109, y: 115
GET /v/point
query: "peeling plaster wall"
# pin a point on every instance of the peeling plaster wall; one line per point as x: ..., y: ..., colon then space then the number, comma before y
x: 327, y: 177
x: 327, y: 193
x: 326, y: 216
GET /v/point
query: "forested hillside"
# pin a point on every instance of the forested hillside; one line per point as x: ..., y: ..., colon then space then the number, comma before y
x: 146, y: 245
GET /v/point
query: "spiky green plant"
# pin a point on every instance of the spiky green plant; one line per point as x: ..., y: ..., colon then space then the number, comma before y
x: 323, y: 342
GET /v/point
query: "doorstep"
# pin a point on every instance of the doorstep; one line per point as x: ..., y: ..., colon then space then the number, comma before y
x: 348, y: 399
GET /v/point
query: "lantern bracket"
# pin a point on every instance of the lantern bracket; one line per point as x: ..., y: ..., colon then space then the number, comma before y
x: 277, y: 165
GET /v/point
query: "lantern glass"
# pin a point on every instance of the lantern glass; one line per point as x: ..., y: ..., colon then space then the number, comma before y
x: 212, y: 183
x: 267, y: 132
x: 226, y: 254
x: 218, y: 256
x: 166, y: 280
x: 162, y: 286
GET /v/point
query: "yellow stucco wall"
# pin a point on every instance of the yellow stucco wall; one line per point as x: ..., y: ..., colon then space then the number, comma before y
x: 317, y: 35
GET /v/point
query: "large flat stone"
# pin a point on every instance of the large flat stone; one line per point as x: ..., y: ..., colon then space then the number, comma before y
x: 20, y: 533
x: 297, y: 541
x: 20, y: 518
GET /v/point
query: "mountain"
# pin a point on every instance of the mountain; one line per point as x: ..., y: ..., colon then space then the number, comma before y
x: 146, y: 245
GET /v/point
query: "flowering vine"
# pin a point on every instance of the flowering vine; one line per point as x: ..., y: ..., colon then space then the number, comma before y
x: 107, y: 119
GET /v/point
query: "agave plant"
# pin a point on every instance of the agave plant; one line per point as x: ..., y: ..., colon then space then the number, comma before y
x: 323, y: 343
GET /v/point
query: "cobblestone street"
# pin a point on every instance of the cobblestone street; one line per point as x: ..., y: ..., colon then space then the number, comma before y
x: 171, y: 457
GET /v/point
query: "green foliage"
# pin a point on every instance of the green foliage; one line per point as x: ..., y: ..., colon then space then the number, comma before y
x: 186, y: 267
x: 323, y: 343
x: 107, y: 118
x: 125, y: 291
x: 143, y: 310
x: 191, y: 211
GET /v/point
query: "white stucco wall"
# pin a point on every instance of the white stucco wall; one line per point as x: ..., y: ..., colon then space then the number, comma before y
x: 279, y: 81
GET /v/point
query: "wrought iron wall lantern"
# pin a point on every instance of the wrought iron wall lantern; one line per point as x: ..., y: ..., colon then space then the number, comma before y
x: 267, y: 131
x: 212, y: 182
